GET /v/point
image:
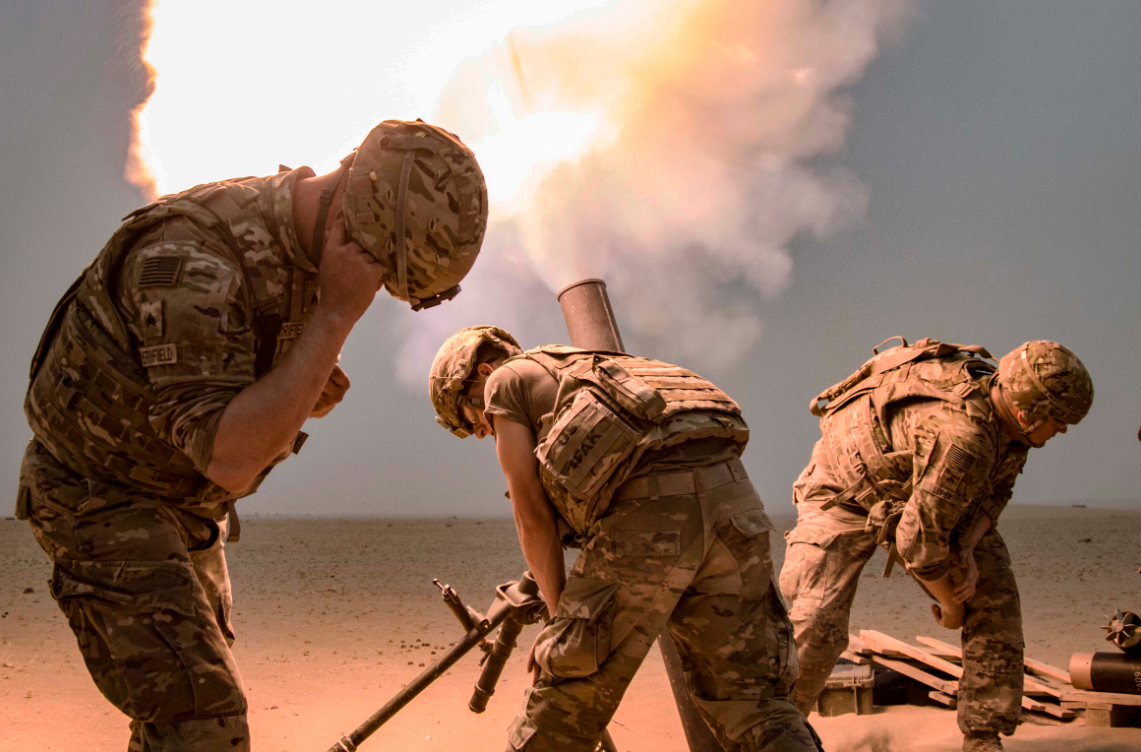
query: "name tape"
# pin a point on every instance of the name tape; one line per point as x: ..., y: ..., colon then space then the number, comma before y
x: 158, y: 355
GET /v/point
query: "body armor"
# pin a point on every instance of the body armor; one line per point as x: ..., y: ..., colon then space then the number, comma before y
x: 89, y: 399
x: 854, y: 420
x: 610, y: 409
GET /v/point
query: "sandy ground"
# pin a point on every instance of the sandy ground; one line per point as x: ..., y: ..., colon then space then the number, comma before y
x: 334, y: 616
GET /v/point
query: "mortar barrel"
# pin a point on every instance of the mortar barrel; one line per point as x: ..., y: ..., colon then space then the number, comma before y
x: 590, y: 319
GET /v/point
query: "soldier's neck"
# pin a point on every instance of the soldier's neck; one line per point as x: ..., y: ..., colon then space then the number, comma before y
x: 306, y: 202
x: 1005, y: 414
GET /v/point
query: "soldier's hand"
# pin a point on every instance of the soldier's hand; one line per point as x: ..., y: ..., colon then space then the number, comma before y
x: 533, y: 667
x: 949, y: 618
x: 332, y: 394
x: 966, y: 589
x: 349, y: 276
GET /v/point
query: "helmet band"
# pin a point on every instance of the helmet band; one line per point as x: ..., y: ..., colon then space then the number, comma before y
x: 1068, y: 415
x: 401, y: 213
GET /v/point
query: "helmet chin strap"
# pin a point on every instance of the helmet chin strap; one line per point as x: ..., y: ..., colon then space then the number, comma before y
x: 317, y: 243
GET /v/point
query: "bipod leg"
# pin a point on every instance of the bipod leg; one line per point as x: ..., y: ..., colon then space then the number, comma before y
x: 420, y: 683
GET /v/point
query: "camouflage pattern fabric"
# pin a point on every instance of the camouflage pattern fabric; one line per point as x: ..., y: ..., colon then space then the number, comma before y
x: 453, y: 366
x: 961, y: 467
x: 1045, y: 380
x: 145, y: 590
x: 612, y: 408
x: 416, y: 200
x: 192, y: 299
x: 826, y: 555
x: 698, y: 565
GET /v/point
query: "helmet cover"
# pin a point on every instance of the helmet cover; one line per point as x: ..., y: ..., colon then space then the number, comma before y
x: 452, y: 368
x: 416, y: 200
x: 1045, y: 380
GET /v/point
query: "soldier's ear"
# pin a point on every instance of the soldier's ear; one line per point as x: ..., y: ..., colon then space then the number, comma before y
x: 484, y: 369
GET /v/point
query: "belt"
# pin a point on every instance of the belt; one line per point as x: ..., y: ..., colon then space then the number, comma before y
x: 681, y: 483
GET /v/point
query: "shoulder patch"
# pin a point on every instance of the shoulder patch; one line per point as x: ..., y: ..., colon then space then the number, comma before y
x: 161, y: 271
x: 960, y: 458
x: 158, y: 355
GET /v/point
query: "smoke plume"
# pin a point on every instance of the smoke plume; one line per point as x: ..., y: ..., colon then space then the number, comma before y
x: 720, y: 122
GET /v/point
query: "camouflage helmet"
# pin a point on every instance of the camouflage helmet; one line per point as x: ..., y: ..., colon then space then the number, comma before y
x: 453, y: 367
x: 1045, y: 380
x: 416, y: 200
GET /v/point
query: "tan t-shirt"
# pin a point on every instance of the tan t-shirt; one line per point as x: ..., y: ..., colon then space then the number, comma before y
x: 524, y: 392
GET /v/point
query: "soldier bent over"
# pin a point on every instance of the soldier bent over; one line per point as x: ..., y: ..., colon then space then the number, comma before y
x: 179, y: 369
x: 640, y: 459
x: 919, y: 453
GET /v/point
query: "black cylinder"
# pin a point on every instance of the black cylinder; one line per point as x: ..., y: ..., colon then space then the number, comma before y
x: 493, y: 666
x: 1106, y: 672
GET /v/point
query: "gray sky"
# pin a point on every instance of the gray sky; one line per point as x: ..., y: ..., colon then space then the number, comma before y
x: 1000, y: 150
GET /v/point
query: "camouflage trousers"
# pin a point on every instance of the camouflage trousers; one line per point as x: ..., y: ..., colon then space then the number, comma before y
x: 147, y: 594
x: 827, y: 552
x: 697, y: 565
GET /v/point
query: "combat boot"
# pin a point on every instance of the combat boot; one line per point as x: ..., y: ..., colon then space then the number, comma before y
x: 982, y: 741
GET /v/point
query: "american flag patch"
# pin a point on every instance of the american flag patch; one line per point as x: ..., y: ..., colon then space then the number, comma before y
x: 960, y: 458
x: 161, y: 271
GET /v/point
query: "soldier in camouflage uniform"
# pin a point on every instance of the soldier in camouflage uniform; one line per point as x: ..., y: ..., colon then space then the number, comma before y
x: 639, y: 461
x: 919, y: 454
x: 179, y: 369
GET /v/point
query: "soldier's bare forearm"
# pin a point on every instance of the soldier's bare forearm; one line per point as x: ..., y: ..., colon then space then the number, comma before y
x: 948, y: 613
x: 265, y: 417
x: 980, y: 527
x: 534, y: 517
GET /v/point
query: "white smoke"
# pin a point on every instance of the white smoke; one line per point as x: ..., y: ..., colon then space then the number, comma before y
x: 714, y: 155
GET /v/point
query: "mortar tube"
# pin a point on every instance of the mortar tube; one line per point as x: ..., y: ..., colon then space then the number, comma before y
x: 590, y: 319
x: 592, y: 326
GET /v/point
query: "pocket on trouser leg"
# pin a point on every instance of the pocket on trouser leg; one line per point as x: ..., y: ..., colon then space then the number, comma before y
x: 145, y: 632
x: 213, y: 574
x: 521, y: 731
x: 577, y: 640
x: 230, y: 733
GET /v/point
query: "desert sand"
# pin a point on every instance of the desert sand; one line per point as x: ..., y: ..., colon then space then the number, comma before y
x: 333, y: 616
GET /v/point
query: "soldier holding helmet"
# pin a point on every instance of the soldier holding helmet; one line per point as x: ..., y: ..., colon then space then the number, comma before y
x: 179, y: 369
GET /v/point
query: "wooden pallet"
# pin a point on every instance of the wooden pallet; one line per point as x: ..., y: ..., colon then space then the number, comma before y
x: 934, y: 664
x: 1104, y: 709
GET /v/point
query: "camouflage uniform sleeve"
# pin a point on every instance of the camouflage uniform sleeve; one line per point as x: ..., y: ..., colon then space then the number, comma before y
x: 1006, y: 472
x: 187, y: 313
x: 954, y: 459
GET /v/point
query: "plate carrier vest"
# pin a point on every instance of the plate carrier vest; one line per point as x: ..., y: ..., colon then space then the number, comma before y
x: 853, y: 420
x: 610, y: 409
x: 89, y: 400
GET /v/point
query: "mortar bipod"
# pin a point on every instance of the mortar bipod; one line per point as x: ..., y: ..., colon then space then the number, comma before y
x: 516, y: 605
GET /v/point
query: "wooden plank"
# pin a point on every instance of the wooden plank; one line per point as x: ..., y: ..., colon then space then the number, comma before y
x: 919, y: 675
x: 1057, y: 711
x: 944, y: 698
x: 1106, y: 698
x: 875, y: 639
x: 1047, y: 670
x: 942, y: 649
x: 1033, y: 687
x: 856, y: 646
